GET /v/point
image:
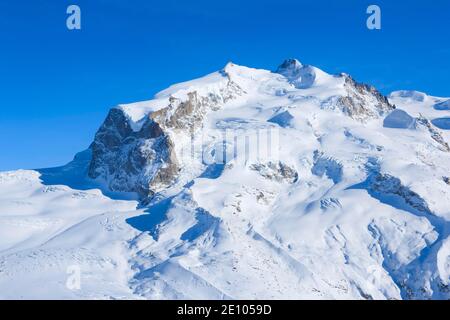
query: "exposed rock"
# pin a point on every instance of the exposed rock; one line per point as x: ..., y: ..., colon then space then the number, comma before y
x: 145, y: 161
x: 363, y: 101
x: 276, y: 171
x: 188, y: 114
x: 435, y: 134
x: 387, y: 184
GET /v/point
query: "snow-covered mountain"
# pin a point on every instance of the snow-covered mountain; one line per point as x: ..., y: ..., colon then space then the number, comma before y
x: 243, y: 184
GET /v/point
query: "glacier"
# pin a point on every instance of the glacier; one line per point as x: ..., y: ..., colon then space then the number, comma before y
x: 243, y: 184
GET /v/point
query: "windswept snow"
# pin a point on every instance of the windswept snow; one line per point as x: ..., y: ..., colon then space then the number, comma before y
x: 419, y: 104
x: 399, y: 119
x: 442, y: 123
x: 47, y: 230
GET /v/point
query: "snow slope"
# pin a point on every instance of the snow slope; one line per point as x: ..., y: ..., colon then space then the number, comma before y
x: 47, y: 229
x: 293, y: 184
x: 436, y: 109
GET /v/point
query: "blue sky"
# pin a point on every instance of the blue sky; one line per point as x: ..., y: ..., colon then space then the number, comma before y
x: 56, y: 85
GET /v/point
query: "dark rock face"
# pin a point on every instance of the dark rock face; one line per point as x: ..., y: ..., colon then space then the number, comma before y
x: 189, y: 114
x: 434, y: 133
x: 128, y: 161
x: 363, y: 101
x: 145, y: 161
x: 387, y: 184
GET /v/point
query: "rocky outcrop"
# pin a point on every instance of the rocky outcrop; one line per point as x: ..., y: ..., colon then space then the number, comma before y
x: 359, y: 101
x: 276, y: 171
x: 362, y: 101
x: 434, y: 133
x: 189, y: 114
x: 145, y: 161
x: 390, y: 185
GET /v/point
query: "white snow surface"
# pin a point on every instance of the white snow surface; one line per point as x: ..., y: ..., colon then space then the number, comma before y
x: 366, y: 217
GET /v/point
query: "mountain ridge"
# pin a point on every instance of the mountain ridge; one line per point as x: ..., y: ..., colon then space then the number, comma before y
x: 243, y: 184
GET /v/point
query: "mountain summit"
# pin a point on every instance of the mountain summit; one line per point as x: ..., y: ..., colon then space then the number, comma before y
x: 134, y: 150
x: 242, y: 184
x: 289, y: 67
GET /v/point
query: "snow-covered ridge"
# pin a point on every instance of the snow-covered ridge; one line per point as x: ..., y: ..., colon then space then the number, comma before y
x: 159, y: 129
x: 214, y: 83
x: 295, y: 76
x: 420, y: 105
x: 250, y: 184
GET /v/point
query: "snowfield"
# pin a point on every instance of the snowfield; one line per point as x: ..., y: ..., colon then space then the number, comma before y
x: 243, y: 184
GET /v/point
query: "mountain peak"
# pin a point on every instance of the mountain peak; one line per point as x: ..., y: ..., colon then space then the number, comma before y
x: 241, y: 170
x: 289, y: 65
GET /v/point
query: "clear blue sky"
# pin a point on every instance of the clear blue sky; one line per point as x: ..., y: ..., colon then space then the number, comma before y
x: 56, y: 85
